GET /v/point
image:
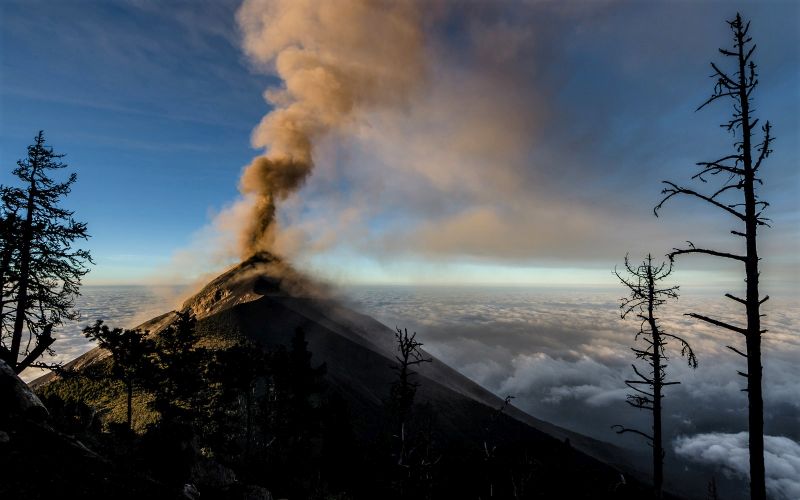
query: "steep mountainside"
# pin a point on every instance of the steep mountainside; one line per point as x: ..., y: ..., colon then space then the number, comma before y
x: 265, y: 301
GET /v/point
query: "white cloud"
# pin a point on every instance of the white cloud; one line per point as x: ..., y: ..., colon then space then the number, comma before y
x: 730, y: 451
x: 583, y: 379
x: 117, y: 306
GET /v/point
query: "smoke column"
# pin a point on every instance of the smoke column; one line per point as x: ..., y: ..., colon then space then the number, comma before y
x: 335, y: 59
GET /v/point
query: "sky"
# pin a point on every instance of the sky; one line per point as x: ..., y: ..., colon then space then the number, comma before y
x: 527, y: 146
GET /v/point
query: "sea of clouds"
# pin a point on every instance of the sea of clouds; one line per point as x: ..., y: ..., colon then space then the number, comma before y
x: 117, y: 306
x: 564, y: 355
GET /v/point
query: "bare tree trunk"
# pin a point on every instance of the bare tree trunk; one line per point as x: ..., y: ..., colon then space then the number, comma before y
x: 741, y: 168
x: 248, y: 420
x: 129, y: 384
x: 24, y: 275
x: 756, y: 421
x: 753, y: 338
x: 658, y: 451
x: 5, y: 271
x: 44, y: 341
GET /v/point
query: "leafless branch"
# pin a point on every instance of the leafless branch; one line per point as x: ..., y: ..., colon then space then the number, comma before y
x: 716, y: 322
x: 622, y: 430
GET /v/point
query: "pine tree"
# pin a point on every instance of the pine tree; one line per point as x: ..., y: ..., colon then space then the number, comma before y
x: 130, y: 351
x: 9, y: 244
x: 41, y: 271
x: 175, y: 380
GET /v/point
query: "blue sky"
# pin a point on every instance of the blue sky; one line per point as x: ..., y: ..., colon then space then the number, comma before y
x: 155, y: 119
x: 583, y: 107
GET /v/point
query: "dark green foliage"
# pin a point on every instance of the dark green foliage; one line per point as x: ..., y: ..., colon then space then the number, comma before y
x: 292, y: 410
x: 232, y: 376
x: 266, y: 416
x: 176, y: 382
x: 10, y: 229
x: 130, y: 352
x: 40, y: 270
x: 72, y: 416
x: 178, y: 390
x: 262, y: 412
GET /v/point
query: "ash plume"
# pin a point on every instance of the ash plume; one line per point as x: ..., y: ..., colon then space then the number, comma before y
x: 335, y: 60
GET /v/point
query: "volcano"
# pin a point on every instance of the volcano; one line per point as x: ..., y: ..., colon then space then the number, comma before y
x: 264, y: 300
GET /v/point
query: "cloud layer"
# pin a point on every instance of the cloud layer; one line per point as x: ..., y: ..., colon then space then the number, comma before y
x: 117, y: 306
x: 564, y: 355
x: 730, y: 452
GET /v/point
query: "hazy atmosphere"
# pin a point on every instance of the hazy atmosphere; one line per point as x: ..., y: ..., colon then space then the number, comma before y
x: 473, y: 171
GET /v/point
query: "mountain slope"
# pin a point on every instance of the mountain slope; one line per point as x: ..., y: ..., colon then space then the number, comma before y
x: 265, y: 301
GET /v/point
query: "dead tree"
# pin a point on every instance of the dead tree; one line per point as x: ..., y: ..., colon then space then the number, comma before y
x: 403, y: 391
x: 405, y: 387
x: 490, y: 448
x: 712, y: 494
x: 735, y: 194
x: 645, y: 297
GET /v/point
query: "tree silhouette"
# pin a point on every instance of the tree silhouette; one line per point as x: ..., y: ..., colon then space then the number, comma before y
x: 9, y: 244
x: 292, y: 410
x: 646, y: 296
x: 130, y: 351
x: 178, y: 364
x: 405, y: 387
x: 711, y: 493
x: 490, y: 448
x: 232, y: 375
x: 41, y: 271
x: 736, y: 195
x: 412, y: 453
